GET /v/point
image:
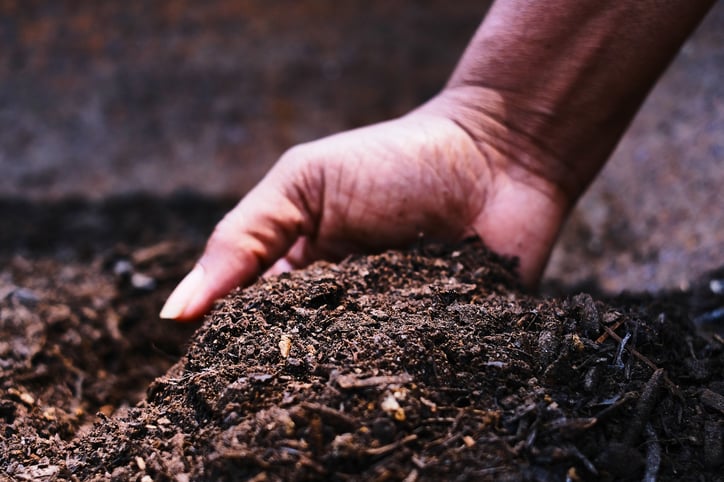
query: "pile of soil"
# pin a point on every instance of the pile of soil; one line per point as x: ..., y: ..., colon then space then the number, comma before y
x: 428, y: 364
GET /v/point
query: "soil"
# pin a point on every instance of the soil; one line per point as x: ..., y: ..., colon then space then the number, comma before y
x: 127, y: 129
x: 427, y: 364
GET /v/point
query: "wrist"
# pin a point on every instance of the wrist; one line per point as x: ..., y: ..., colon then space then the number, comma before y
x: 512, y: 145
x: 556, y: 83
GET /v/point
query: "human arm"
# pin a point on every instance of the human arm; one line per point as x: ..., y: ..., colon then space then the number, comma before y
x: 563, y: 78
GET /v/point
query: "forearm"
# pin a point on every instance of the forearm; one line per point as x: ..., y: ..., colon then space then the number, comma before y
x: 562, y: 79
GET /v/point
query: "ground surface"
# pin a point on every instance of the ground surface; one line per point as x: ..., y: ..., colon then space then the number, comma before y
x: 127, y: 129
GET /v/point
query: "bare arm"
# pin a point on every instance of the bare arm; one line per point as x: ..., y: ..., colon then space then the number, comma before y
x: 562, y: 79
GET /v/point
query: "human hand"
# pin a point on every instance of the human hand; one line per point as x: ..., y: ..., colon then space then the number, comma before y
x: 375, y: 188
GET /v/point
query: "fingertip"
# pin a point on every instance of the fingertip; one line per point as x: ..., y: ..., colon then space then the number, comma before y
x: 182, y: 304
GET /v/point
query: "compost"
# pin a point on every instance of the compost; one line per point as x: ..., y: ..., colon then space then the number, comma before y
x: 426, y: 364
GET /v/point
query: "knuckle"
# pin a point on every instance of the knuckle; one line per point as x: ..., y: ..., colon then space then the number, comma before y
x: 297, y: 157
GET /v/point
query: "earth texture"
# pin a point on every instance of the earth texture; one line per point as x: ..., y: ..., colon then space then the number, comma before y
x: 127, y: 129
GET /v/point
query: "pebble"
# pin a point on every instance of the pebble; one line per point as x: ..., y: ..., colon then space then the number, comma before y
x: 143, y: 282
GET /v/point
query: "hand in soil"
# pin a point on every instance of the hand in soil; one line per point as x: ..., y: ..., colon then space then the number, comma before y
x: 371, y: 189
x: 526, y: 121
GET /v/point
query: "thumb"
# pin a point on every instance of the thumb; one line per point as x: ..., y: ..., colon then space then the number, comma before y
x: 248, y: 240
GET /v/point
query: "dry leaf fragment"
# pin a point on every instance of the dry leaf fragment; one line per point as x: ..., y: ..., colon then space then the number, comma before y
x: 27, y: 398
x: 24, y: 397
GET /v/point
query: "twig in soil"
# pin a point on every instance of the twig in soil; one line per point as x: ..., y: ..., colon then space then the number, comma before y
x: 445, y: 442
x: 375, y: 451
x: 149, y: 253
x: 641, y: 358
x: 532, y: 434
x: 305, y: 461
x: 618, y: 363
x: 653, y: 455
x: 411, y: 477
x: 570, y: 427
x: 353, y: 381
x: 644, y: 407
x: 332, y: 417
x: 605, y: 335
x: 241, y: 454
x: 583, y: 459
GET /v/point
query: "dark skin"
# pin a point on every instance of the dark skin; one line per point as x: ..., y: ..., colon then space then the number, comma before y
x: 532, y: 112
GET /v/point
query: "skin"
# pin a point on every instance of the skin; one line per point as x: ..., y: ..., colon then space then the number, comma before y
x: 537, y: 103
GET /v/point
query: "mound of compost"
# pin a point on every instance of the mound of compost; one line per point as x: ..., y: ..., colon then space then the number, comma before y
x: 427, y: 364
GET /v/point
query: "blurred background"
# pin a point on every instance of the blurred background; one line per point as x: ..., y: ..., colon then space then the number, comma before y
x: 101, y: 99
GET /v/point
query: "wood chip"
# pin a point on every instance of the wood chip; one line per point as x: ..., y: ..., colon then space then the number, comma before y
x: 353, y: 381
x: 27, y: 398
x: 24, y: 397
x: 49, y: 414
x: 285, y: 346
x: 107, y: 410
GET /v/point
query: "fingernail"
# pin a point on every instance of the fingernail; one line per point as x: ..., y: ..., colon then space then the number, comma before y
x: 182, y: 295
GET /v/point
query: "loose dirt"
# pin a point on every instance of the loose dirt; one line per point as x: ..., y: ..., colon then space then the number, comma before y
x: 423, y: 365
x: 428, y: 364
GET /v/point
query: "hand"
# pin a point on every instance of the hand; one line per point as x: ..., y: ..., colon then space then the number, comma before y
x: 375, y: 188
x: 531, y: 113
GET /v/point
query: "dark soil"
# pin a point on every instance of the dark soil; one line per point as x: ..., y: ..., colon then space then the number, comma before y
x: 423, y: 365
x: 420, y: 365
